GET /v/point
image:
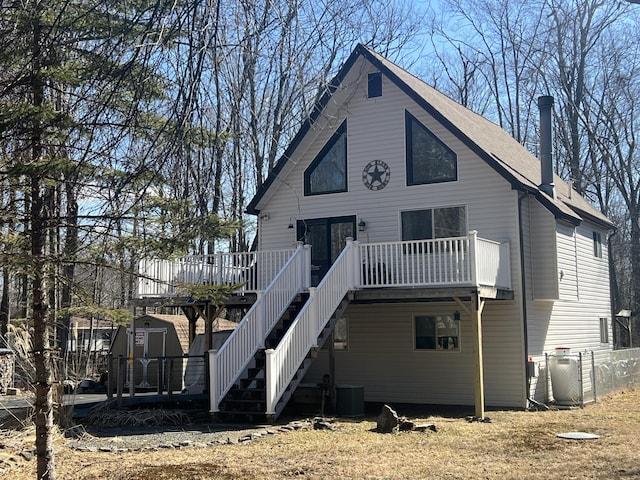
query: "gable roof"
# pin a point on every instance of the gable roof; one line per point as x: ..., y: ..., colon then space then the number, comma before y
x: 485, y: 138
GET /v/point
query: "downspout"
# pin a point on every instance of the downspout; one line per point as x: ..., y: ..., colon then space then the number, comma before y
x: 613, y: 289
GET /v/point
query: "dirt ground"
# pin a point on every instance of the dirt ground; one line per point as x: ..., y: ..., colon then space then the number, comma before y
x: 514, y: 445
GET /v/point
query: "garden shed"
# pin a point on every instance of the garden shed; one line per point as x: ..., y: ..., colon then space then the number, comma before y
x: 156, y: 349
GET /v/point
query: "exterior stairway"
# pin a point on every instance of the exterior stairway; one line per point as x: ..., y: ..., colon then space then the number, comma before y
x: 246, y: 400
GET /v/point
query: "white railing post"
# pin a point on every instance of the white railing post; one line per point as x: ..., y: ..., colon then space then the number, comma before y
x: 219, y: 266
x: 473, y: 256
x: 356, y: 266
x: 351, y: 248
x: 270, y: 382
x: 306, y: 267
x: 201, y: 274
x: 261, y: 318
x: 213, y: 398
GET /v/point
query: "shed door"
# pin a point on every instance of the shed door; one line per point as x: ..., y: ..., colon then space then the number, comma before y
x: 327, y: 237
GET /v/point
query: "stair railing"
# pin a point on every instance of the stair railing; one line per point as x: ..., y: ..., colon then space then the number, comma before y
x: 283, y: 362
x: 227, y: 363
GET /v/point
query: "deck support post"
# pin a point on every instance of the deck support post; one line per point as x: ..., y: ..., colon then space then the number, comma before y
x: 476, y: 317
x: 475, y: 312
x: 192, y: 315
x: 208, y: 327
x: 209, y: 314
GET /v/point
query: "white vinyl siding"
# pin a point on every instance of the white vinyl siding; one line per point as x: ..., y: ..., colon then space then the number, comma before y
x: 567, y: 263
x: 573, y: 322
x: 382, y: 357
x: 543, y: 261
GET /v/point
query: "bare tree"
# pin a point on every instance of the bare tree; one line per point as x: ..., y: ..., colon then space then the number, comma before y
x: 577, y: 28
x: 502, y: 44
x: 612, y: 121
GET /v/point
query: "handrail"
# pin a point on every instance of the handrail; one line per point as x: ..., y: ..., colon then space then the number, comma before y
x: 283, y: 362
x: 227, y: 363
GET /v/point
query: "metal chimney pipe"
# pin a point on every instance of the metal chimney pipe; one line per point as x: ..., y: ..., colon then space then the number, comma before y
x: 545, y: 104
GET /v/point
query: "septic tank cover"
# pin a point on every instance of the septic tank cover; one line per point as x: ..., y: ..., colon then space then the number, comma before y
x: 578, y: 436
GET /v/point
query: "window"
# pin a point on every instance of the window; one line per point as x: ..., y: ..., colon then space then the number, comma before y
x: 437, y: 332
x: 328, y: 171
x: 433, y: 223
x: 341, y: 334
x: 428, y: 159
x: 374, y: 85
x: 604, y: 330
x: 597, y: 245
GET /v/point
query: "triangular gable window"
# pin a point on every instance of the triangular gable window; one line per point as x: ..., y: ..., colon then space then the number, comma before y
x: 428, y: 159
x: 328, y: 171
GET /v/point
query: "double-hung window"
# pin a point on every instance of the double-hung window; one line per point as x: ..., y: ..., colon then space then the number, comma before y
x: 428, y: 159
x: 328, y: 171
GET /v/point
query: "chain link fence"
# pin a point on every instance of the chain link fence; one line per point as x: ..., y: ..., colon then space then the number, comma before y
x: 580, y: 378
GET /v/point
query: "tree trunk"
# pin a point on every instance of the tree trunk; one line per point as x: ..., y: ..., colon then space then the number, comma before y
x: 4, y: 307
x: 635, y: 260
x: 41, y: 349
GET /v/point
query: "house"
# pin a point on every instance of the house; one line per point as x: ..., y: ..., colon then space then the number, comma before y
x: 90, y: 335
x: 436, y: 251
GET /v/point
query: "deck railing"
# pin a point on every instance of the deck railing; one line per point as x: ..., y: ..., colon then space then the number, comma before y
x: 440, y: 262
x: 452, y: 261
x: 253, y: 270
x: 227, y: 363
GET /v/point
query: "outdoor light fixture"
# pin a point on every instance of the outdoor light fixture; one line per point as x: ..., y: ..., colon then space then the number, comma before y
x: 290, y: 222
x: 362, y: 226
x: 456, y: 316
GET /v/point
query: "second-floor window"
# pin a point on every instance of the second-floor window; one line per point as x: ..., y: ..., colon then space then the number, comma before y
x: 429, y: 160
x: 434, y: 223
x: 597, y: 245
x: 328, y: 171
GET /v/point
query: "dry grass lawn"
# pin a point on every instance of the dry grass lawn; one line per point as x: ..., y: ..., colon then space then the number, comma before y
x: 515, y: 445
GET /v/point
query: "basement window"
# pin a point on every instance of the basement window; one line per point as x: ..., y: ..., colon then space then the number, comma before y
x: 436, y: 332
x: 341, y: 334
